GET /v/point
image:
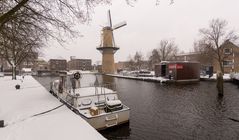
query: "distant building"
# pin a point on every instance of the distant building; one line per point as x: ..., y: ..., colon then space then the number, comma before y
x: 79, y: 64
x: 230, y: 56
x: 192, y: 56
x: 57, y: 65
x: 127, y: 65
x: 122, y: 65
x: 41, y: 65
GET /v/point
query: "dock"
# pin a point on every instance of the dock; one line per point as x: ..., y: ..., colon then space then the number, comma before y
x: 148, y: 79
x: 32, y: 113
x: 226, y: 78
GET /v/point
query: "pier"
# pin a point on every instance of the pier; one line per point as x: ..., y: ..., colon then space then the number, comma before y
x: 149, y: 79
x: 155, y: 79
x: 32, y: 113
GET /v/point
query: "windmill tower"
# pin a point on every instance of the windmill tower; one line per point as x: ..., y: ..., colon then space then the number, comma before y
x: 107, y: 46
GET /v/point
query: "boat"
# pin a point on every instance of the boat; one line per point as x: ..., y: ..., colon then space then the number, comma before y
x: 98, y: 104
x: 144, y: 73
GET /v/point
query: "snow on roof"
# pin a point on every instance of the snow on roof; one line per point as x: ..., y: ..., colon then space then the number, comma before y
x: 18, y: 106
x: 225, y: 76
x: 188, y: 53
x: 81, y: 71
x: 27, y: 69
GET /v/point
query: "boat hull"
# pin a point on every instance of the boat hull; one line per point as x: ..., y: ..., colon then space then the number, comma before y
x: 108, y: 120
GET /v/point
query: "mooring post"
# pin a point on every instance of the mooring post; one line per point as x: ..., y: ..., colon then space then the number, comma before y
x: 220, y: 83
x: 1, y: 123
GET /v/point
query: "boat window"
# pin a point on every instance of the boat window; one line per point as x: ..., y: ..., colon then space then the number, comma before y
x: 110, y: 98
x: 86, y: 102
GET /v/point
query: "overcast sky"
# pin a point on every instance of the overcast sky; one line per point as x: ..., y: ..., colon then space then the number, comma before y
x: 147, y: 24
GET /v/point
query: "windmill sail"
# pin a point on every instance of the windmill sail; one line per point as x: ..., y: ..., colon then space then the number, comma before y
x: 119, y: 25
x: 109, y: 19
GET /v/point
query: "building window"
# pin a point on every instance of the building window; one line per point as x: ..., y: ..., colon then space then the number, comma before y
x: 227, y: 63
x: 227, y: 51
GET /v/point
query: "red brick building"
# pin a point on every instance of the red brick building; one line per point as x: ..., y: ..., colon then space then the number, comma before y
x: 57, y: 65
x: 80, y: 64
x: 229, y: 53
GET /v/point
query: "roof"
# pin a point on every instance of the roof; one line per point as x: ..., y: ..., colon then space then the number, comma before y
x: 228, y: 42
x: 189, y: 53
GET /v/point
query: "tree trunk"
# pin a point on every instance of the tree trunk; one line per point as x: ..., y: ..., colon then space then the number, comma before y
x: 221, y: 67
x: 220, y: 83
x: 14, y: 71
x: 220, y: 87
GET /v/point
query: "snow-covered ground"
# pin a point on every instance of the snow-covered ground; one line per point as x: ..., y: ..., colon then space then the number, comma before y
x: 84, y: 72
x: 17, y: 108
x: 225, y: 76
x: 235, y: 76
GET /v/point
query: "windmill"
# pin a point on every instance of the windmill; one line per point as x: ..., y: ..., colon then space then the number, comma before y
x: 108, y: 47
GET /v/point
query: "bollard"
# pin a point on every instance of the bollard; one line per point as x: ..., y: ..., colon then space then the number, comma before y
x: 1, y: 123
x: 17, y: 86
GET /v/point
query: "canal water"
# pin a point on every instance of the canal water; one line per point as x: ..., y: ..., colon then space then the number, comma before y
x: 171, y: 112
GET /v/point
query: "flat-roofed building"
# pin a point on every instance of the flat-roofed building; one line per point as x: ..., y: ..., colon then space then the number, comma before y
x: 80, y: 64
x: 57, y: 65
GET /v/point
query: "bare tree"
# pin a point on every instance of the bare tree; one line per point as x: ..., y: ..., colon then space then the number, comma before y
x: 154, y: 58
x: 214, y: 36
x: 204, y: 55
x: 130, y: 64
x: 138, y: 59
x: 56, y: 17
x: 19, y: 42
x: 25, y: 25
x: 167, y: 50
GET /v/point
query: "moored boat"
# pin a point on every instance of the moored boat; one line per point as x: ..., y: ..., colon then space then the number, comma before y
x: 99, y: 105
x: 145, y: 73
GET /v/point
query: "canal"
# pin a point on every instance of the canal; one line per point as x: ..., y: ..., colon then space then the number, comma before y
x: 160, y: 111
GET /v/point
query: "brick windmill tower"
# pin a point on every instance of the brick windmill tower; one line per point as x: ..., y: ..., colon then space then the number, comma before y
x: 107, y: 46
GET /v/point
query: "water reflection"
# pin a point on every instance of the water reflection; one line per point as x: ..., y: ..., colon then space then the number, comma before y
x: 108, y: 80
x: 118, y: 133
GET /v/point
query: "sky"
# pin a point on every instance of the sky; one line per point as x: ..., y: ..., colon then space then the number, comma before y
x: 147, y: 24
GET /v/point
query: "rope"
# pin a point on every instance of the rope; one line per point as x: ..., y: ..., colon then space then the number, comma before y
x: 38, y: 114
x: 235, y: 120
x: 47, y: 111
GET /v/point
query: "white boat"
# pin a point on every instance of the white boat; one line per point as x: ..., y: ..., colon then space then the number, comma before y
x: 145, y: 73
x: 98, y: 105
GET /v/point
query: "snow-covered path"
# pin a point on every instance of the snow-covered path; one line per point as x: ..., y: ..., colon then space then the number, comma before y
x: 18, y: 106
